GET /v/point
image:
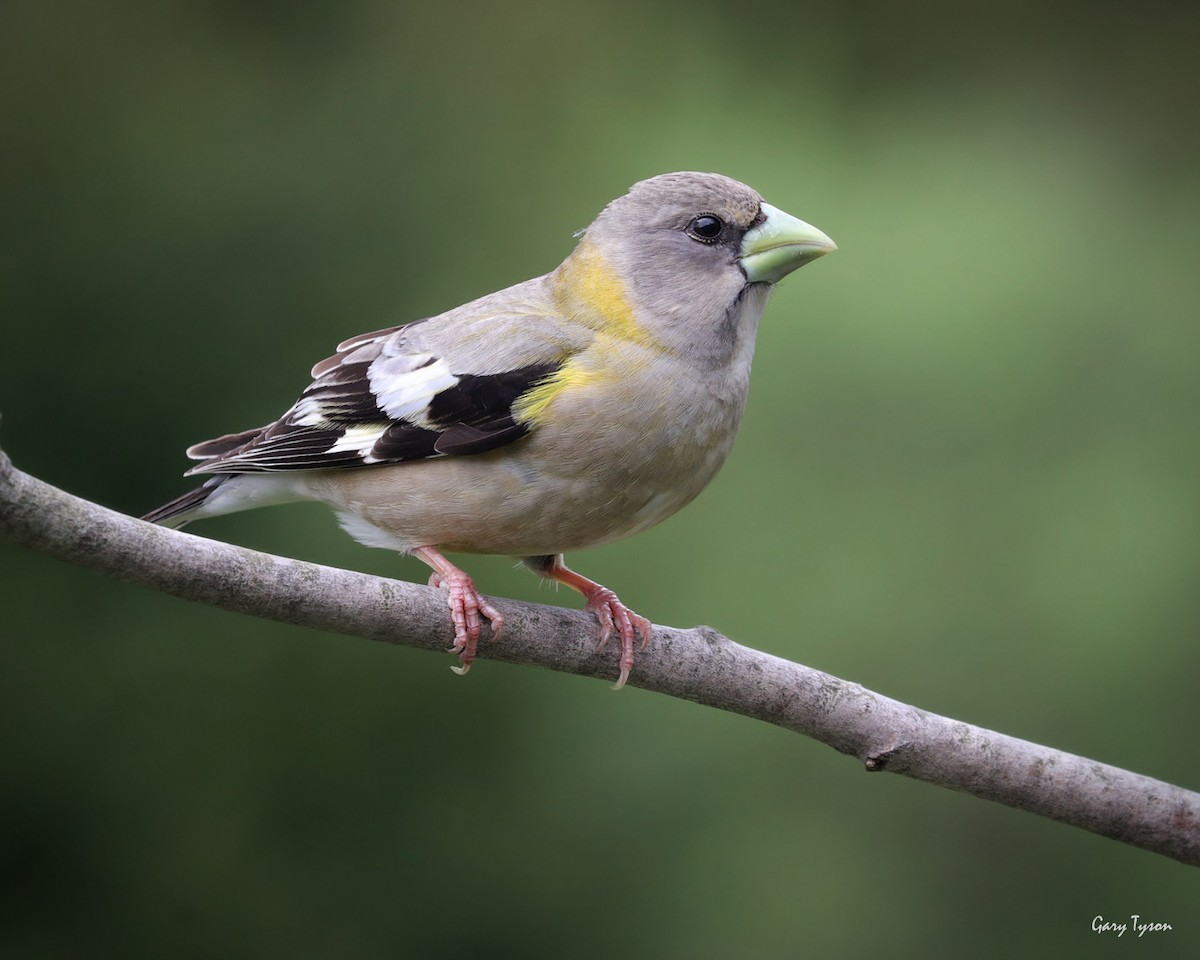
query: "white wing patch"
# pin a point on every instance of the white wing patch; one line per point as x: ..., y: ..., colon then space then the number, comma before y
x: 359, y: 439
x: 308, y: 412
x: 403, y: 386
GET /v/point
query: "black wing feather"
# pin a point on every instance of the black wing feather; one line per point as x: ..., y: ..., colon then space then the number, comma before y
x: 472, y: 416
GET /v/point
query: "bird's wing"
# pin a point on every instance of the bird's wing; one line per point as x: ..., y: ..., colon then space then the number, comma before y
x: 440, y: 387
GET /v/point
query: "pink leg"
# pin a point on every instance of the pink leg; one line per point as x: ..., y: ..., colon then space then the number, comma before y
x: 466, y: 604
x: 609, y: 610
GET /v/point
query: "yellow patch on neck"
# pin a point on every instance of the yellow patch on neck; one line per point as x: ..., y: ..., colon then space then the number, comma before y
x: 589, y: 290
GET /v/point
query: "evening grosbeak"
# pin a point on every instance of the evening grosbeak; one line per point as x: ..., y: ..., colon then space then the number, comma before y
x: 565, y: 412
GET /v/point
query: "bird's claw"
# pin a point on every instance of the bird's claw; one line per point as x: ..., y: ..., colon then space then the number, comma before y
x: 467, y: 607
x: 614, y: 615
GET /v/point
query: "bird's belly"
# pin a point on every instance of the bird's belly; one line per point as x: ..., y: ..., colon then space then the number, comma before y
x: 526, y: 499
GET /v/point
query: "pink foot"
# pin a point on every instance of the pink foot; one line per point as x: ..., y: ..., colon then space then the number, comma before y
x: 467, y: 605
x: 610, y: 611
x: 613, y: 614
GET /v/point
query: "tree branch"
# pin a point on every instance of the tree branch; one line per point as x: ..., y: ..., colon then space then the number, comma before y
x: 699, y: 665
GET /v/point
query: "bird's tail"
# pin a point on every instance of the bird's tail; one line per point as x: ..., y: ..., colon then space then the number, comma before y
x: 182, y: 509
x: 230, y: 493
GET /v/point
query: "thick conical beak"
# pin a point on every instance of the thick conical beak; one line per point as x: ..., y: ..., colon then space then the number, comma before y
x: 779, y: 245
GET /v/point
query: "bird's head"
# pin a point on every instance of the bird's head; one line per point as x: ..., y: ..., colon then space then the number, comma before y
x: 689, y: 258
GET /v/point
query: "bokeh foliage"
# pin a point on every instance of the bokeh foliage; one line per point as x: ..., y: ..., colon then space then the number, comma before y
x: 968, y: 476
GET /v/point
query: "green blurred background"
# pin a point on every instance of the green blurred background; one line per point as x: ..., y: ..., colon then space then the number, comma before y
x: 968, y: 475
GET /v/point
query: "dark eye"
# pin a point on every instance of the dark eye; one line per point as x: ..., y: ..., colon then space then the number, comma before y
x: 705, y: 228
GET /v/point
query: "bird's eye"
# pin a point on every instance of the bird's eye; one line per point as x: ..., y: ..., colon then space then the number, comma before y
x: 705, y: 228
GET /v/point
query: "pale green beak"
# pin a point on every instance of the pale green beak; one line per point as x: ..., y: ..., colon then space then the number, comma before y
x: 779, y: 245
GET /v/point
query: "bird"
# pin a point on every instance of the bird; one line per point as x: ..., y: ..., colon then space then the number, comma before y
x: 564, y: 412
